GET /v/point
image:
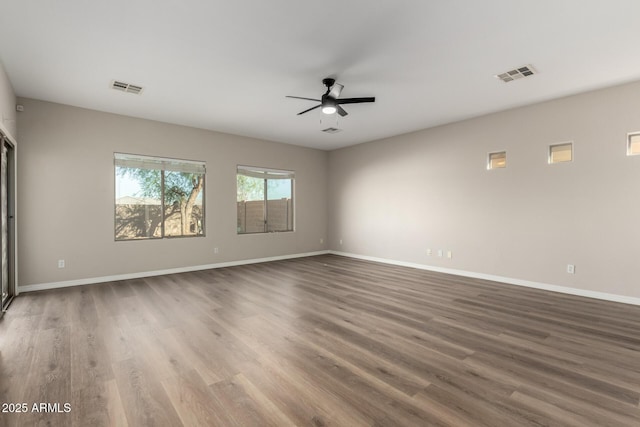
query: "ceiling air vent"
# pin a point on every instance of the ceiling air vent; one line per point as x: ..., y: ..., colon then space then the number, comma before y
x: 331, y: 130
x: 516, y: 74
x: 126, y: 87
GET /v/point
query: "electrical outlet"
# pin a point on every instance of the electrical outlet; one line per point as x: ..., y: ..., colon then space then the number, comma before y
x: 449, y: 254
x: 571, y: 269
x: 321, y: 240
x: 216, y: 250
x: 60, y: 263
x: 440, y: 253
x: 340, y: 241
x: 429, y: 252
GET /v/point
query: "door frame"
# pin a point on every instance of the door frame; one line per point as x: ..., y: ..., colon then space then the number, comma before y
x: 12, y: 245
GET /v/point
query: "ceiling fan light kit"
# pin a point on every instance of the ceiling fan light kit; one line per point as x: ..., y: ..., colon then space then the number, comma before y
x: 328, y: 109
x: 328, y: 105
x: 330, y: 101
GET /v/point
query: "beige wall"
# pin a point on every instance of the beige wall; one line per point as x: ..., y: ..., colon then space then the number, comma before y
x: 398, y: 197
x: 390, y: 199
x: 66, y: 159
x: 7, y: 105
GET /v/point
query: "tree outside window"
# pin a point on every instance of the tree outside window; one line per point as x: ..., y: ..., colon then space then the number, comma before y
x: 158, y: 197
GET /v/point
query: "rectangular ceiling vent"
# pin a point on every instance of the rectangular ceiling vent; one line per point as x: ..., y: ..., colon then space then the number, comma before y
x: 331, y: 130
x: 516, y: 74
x: 126, y: 87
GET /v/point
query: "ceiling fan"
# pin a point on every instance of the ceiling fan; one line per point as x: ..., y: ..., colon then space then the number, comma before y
x: 330, y: 102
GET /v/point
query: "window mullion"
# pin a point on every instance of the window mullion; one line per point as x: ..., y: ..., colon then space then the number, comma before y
x: 162, y: 207
x: 266, y: 206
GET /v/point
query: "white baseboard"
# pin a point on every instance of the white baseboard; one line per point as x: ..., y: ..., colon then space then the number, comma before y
x: 518, y: 282
x: 93, y: 280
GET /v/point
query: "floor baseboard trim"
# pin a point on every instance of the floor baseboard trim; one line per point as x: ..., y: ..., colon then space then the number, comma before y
x: 128, y: 276
x: 518, y: 282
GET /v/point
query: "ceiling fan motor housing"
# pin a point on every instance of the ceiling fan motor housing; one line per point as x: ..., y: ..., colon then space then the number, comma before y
x: 327, y: 100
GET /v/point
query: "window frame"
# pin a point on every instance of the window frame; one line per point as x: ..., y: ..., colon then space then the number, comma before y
x: 164, y: 165
x: 267, y: 174
x: 559, y: 144
x: 630, y: 136
x: 490, y: 163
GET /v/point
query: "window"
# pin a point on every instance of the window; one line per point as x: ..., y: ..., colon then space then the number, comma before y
x: 264, y: 199
x: 158, y: 197
x: 497, y: 160
x: 633, y: 144
x: 560, y: 153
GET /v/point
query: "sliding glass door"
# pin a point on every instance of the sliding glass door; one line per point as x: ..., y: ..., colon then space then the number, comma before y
x: 6, y: 222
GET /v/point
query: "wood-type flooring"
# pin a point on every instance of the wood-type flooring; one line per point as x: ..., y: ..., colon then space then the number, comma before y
x: 317, y: 341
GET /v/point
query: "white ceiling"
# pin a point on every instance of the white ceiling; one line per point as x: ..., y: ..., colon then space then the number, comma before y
x: 227, y: 65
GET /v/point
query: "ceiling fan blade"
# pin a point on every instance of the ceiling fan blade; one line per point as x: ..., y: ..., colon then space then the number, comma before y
x: 341, y: 111
x: 299, y: 97
x: 335, y: 90
x: 355, y: 100
x: 312, y: 108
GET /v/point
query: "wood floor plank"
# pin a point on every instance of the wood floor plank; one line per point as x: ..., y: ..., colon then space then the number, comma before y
x: 590, y: 414
x: 49, y: 379
x: 115, y: 410
x: 90, y: 371
x: 82, y: 308
x: 565, y: 417
x: 319, y: 341
x: 553, y: 384
x: 194, y: 402
x: 374, y: 366
x: 117, y: 335
x: 188, y: 356
x: 144, y: 399
x: 479, y: 412
x: 271, y: 414
x: 18, y: 346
